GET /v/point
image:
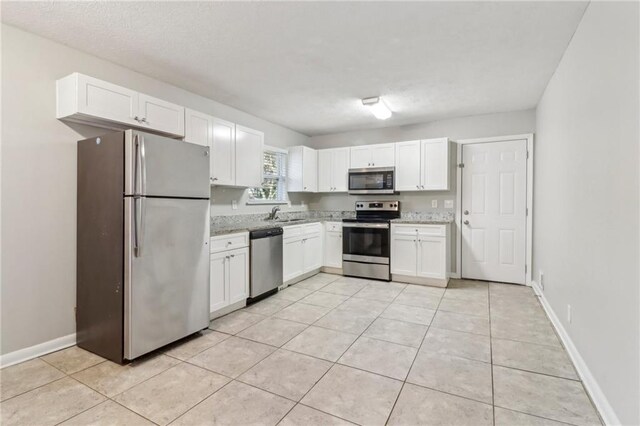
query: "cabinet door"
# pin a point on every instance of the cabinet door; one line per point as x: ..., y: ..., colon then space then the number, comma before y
x: 292, y: 258
x: 404, y: 256
x: 197, y: 127
x: 325, y: 159
x: 249, y: 157
x: 333, y: 249
x: 218, y: 282
x: 238, y: 275
x: 106, y: 101
x: 432, y: 257
x: 312, y: 248
x: 435, y: 164
x: 223, y: 153
x: 383, y: 155
x: 340, y: 169
x: 408, y: 170
x: 161, y: 115
x: 360, y: 157
x: 309, y: 170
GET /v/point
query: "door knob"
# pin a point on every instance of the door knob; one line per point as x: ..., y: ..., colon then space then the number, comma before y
x: 466, y: 222
x: 466, y: 212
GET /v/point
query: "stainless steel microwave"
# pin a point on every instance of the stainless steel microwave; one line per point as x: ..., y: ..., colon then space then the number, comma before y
x: 372, y: 180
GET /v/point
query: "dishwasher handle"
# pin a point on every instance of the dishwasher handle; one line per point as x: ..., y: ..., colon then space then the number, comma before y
x: 265, y: 233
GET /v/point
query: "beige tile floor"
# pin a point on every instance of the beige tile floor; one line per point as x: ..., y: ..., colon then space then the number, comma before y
x: 328, y: 350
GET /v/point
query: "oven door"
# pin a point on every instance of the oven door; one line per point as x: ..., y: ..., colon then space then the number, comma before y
x: 373, y: 180
x: 365, y: 242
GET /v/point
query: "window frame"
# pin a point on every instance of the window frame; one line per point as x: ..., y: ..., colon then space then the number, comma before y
x: 285, y: 200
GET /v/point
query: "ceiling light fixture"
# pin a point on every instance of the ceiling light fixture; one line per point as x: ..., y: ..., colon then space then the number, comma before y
x: 377, y: 107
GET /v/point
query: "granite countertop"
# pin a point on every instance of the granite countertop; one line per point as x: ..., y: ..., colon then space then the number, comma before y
x: 442, y: 221
x: 228, y: 228
x: 253, y: 222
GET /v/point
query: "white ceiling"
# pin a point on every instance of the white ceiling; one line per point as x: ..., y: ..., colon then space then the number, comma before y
x: 306, y: 65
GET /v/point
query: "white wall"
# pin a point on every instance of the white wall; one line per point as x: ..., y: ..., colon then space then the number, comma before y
x: 39, y: 179
x: 586, y: 200
x: 474, y: 126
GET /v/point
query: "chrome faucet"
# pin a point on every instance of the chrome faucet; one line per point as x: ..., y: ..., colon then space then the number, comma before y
x: 274, y: 213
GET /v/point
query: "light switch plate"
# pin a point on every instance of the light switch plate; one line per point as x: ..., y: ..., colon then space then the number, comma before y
x: 234, y: 205
x: 448, y: 204
x: 434, y: 204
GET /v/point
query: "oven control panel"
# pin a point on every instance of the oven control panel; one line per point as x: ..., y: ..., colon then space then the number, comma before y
x: 390, y: 206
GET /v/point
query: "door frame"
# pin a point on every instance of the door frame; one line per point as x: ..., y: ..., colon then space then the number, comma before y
x: 529, y: 197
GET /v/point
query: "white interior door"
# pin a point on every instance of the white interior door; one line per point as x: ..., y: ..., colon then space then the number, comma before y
x: 494, y: 185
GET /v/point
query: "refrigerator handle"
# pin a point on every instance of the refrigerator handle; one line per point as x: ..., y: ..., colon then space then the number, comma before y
x: 143, y: 167
x: 140, y: 184
x: 138, y: 224
x: 136, y: 166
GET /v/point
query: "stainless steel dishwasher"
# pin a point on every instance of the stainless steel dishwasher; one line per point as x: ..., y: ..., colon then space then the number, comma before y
x: 266, y: 261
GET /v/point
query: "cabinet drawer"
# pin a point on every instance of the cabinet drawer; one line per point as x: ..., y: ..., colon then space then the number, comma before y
x: 334, y: 226
x: 229, y: 242
x: 312, y: 228
x: 433, y: 230
x: 292, y: 231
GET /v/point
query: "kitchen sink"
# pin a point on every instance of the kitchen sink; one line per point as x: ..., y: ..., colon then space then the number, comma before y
x: 288, y: 220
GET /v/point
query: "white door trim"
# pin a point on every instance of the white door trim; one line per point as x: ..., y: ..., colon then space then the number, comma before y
x: 529, y: 237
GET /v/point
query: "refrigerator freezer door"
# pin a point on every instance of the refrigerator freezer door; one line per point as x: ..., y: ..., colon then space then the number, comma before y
x: 162, y: 167
x: 166, y: 271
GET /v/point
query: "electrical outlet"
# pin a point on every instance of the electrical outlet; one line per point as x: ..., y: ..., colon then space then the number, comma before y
x: 234, y: 205
x: 448, y: 204
x: 434, y: 204
x: 569, y: 314
x: 541, y: 279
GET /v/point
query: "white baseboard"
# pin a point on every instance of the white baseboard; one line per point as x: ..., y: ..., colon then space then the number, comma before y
x: 454, y: 275
x: 595, y: 392
x: 35, y: 351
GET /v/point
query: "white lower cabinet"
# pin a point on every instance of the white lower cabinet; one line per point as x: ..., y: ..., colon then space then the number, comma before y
x: 420, y: 254
x: 292, y: 258
x: 333, y: 245
x: 229, y: 273
x: 302, y: 250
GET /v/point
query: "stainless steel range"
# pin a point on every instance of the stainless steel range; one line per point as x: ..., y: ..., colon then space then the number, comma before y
x: 366, y: 240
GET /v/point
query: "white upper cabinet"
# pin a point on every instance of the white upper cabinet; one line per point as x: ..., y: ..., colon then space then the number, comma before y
x: 324, y: 171
x: 197, y: 127
x: 383, y: 155
x: 236, y: 151
x: 435, y: 164
x: 249, y: 157
x: 333, y: 168
x: 360, y: 157
x: 160, y: 115
x: 88, y: 100
x: 302, y: 169
x: 422, y: 165
x: 408, y: 168
x: 223, y: 152
x: 379, y: 155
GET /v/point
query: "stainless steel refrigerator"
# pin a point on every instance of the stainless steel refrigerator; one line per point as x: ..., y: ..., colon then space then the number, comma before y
x: 142, y: 243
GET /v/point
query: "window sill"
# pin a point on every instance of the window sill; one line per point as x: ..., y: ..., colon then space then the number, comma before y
x: 265, y: 202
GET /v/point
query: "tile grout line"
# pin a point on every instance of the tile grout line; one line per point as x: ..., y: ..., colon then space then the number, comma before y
x: 493, y: 391
x: 404, y: 382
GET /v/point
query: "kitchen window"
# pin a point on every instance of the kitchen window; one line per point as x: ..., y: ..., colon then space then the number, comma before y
x: 274, y: 179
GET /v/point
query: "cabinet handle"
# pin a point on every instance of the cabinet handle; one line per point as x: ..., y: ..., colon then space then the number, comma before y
x: 466, y: 222
x: 418, y: 186
x: 422, y: 186
x: 233, y: 255
x: 144, y: 120
x: 373, y: 164
x: 136, y: 118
